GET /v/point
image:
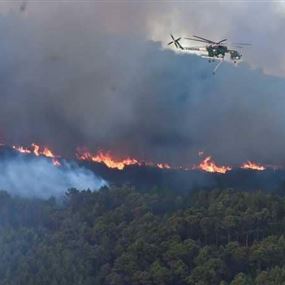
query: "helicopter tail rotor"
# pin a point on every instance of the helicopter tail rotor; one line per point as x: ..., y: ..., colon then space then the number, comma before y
x: 175, y: 42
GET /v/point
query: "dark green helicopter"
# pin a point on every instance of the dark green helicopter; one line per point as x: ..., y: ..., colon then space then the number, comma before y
x: 212, y: 50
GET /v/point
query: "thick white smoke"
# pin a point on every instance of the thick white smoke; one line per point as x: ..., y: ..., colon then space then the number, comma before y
x: 38, y: 177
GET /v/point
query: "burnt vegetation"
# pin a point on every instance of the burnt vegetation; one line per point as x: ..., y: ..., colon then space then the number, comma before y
x: 124, y: 236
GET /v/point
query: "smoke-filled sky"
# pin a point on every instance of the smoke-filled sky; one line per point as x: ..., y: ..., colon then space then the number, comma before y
x: 99, y: 74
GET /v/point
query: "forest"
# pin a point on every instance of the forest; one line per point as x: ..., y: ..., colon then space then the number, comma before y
x: 122, y: 236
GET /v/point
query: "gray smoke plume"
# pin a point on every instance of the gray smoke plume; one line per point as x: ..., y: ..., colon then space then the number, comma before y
x: 98, y: 75
x: 38, y: 177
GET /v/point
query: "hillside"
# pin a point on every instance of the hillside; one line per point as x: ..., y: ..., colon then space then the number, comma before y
x: 123, y: 236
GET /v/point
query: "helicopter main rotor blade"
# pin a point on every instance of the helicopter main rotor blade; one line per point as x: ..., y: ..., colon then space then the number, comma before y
x: 242, y: 44
x: 221, y: 41
x: 196, y: 40
x: 209, y: 41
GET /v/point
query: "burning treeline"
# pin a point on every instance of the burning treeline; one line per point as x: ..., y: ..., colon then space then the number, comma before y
x: 207, y: 163
x: 38, y: 150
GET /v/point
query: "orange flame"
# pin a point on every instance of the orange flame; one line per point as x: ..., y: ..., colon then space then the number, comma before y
x: 253, y: 165
x: 210, y: 166
x: 39, y: 151
x: 22, y: 149
x: 207, y: 164
x: 163, y: 166
x: 107, y: 159
x: 111, y: 162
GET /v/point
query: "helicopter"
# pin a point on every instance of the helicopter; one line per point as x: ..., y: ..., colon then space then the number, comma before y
x: 211, y: 50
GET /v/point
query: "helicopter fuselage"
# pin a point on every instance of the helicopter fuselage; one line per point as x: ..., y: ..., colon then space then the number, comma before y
x: 215, y: 52
x: 218, y: 51
x: 235, y: 55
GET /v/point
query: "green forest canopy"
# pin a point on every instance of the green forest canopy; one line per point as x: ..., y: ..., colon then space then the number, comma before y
x: 120, y: 236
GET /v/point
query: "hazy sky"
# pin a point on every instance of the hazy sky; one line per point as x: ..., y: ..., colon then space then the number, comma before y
x: 100, y: 74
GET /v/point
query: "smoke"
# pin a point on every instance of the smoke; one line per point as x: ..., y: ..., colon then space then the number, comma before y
x: 98, y: 75
x: 59, y: 24
x: 38, y: 177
